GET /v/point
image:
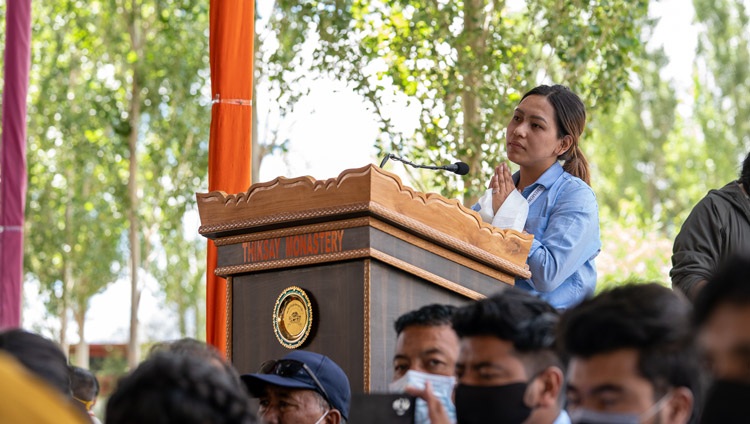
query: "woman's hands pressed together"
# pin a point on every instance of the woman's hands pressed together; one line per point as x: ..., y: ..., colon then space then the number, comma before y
x: 502, y: 185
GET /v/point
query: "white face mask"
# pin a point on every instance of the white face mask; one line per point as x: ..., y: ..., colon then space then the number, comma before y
x: 322, y: 416
x: 442, y: 388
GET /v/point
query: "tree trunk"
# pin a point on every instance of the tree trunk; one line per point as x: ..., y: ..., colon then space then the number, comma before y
x: 64, y: 306
x: 82, y: 348
x: 133, y: 218
x: 182, y: 310
x: 135, y: 245
x: 474, y: 16
x: 67, y: 284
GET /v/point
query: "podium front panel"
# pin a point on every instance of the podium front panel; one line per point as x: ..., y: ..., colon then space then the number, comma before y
x: 337, y: 294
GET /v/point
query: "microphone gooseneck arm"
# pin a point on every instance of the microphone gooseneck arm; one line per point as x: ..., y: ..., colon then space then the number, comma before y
x: 459, y: 168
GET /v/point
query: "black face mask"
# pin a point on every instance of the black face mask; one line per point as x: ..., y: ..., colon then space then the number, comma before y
x: 491, y: 404
x: 726, y: 402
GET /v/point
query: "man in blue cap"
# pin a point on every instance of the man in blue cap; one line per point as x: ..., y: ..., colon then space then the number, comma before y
x: 301, y: 388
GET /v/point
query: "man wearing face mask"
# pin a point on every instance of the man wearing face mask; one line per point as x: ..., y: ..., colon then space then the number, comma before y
x: 426, y: 351
x: 301, y: 388
x: 631, y: 358
x: 722, y: 318
x: 508, y: 371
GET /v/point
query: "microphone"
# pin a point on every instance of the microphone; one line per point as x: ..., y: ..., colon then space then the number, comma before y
x: 459, y: 168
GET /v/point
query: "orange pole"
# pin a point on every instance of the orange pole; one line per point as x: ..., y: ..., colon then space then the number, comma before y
x: 230, y: 144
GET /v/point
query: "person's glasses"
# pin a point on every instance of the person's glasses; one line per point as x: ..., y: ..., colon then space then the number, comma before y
x: 289, y: 368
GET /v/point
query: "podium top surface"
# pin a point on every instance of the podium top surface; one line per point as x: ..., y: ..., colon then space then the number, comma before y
x: 366, y: 191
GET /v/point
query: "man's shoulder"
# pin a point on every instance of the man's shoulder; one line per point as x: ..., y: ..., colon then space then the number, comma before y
x: 728, y: 197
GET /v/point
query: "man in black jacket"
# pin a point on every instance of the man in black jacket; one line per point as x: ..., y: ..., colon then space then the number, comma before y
x: 717, y: 228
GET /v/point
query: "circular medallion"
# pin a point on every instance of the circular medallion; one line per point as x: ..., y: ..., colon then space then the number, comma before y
x: 292, y: 317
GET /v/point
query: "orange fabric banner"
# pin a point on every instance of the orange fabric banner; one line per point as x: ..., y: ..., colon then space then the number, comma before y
x: 230, y: 145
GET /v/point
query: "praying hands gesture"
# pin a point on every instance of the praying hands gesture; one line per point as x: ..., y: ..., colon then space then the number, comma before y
x: 502, y: 185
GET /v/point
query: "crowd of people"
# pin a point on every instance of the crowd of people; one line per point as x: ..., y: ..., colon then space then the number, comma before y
x: 546, y: 351
x: 637, y: 353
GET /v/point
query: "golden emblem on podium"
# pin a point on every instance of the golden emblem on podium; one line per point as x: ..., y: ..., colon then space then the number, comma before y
x: 292, y: 317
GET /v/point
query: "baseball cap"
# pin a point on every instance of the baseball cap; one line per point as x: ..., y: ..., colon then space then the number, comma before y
x: 300, y: 369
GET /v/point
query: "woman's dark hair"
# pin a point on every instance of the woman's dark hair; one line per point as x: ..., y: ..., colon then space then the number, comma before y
x: 570, y: 114
x: 178, y: 388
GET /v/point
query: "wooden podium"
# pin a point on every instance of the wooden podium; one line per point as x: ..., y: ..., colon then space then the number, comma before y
x: 363, y: 248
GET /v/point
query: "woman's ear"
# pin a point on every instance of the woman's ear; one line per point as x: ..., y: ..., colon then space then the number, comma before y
x: 565, y: 144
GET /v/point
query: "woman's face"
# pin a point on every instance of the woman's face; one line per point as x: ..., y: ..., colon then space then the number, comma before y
x: 531, y: 139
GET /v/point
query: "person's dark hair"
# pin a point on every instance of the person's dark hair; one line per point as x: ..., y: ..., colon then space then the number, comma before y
x: 178, y: 388
x: 570, y: 114
x: 39, y: 355
x: 83, y: 384
x: 745, y: 174
x: 198, y: 349
x: 728, y: 286
x: 429, y: 315
x: 517, y: 317
x: 650, y: 318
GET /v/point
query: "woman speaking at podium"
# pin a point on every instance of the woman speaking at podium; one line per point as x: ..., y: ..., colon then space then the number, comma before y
x: 552, y: 201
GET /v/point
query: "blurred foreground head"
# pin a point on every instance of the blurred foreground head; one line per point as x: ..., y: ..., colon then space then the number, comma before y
x: 25, y: 398
x: 40, y: 356
x: 722, y: 317
x: 197, y: 349
x: 181, y: 389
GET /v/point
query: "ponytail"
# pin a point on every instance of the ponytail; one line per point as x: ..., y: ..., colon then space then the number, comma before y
x: 576, y: 164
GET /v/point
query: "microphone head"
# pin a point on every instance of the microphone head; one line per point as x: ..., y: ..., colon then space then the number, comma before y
x: 461, y: 168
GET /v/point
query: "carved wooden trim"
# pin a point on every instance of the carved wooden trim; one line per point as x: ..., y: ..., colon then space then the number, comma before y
x: 230, y: 295
x: 366, y: 312
x: 303, y: 229
x: 283, y: 217
x: 421, y: 273
x: 364, y: 191
x: 290, y: 262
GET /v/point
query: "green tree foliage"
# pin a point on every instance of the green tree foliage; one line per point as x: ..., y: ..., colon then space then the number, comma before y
x: 118, y: 141
x: 655, y: 157
x: 631, y: 151
x: 74, y: 221
x: 722, y: 79
x: 465, y: 63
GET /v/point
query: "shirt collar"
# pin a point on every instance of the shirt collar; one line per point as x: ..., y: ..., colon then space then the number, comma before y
x: 547, y: 179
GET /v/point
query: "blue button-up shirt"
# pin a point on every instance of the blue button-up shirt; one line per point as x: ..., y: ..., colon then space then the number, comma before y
x: 564, y: 220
